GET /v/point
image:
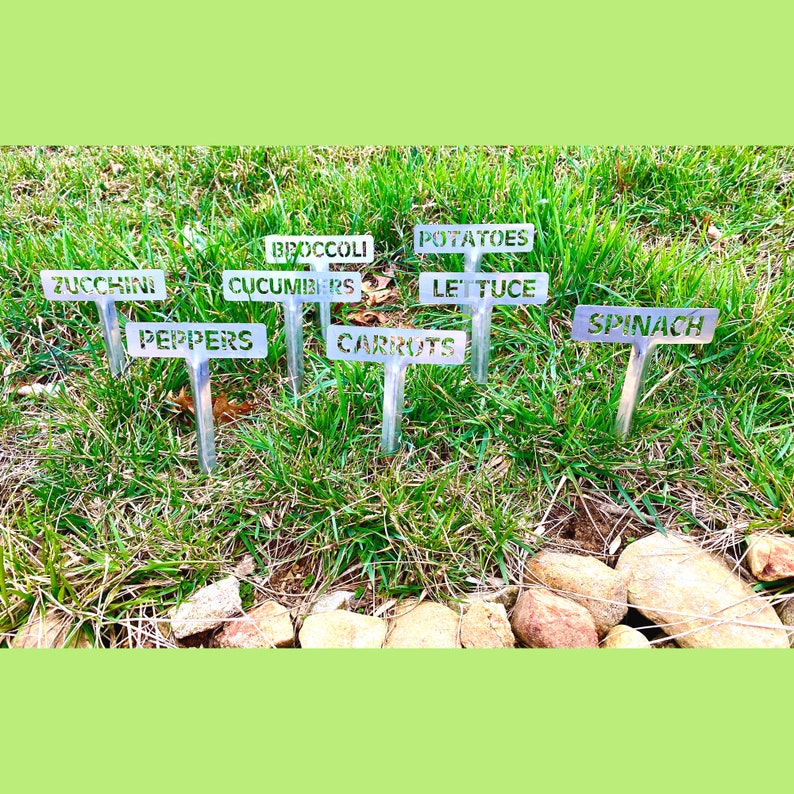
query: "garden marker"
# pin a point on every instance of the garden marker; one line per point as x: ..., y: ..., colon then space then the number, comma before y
x: 197, y: 343
x: 482, y: 292
x: 396, y: 348
x: 318, y: 253
x: 643, y: 328
x: 292, y: 288
x: 104, y: 288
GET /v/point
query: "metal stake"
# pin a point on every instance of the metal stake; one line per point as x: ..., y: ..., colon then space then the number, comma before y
x: 323, y: 309
x: 641, y: 353
x: 393, y: 392
x: 199, y: 369
x: 293, y: 334
x: 472, y: 263
x: 480, y: 342
x: 112, y: 335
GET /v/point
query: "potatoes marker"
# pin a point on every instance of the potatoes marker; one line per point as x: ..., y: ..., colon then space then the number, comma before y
x: 318, y: 253
x: 644, y: 329
x: 293, y: 289
x: 480, y: 292
x: 104, y: 288
x: 396, y: 348
x: 197, y: 343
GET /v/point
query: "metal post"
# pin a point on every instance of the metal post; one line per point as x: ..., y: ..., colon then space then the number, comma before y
x: 324, y: 308
x: 641, y: 353
x: 472, y: 263
x: 480, y: 342
x: 293, y: 335
x: 199, y: 370
x: 393, y: 390
x: 112, y: 335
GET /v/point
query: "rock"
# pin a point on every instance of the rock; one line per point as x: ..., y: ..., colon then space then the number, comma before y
x: 542, y: 619
x: 267, y: 626
x: 770, y: 557
x: 695, y: 597
x: 50, y: 630
x: 625, y: 637
x: 586, y: 580
x: 786, y: 614
x: 207, y: 608
x: 485, y: 625
x: 341, y: 629
x: 506, y: 597
x: 423, y: 625
x: 329, y: 601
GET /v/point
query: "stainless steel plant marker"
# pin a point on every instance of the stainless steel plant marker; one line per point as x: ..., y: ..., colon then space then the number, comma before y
x: 318, y: 253
x: 479, y: 293
x: 293, y: 289
x: 197, y: 343
x: 644, y: 329
x: 104, y: 288
x: 396, y: 348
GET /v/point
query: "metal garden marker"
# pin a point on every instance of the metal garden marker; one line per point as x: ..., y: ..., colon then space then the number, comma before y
x: 396, y: 348
x: 643, y: 328
x: 197, y: 343
x: 319, y: 252
x: 293, y: 289
x: 480, y: 292
x: 474, y: 240
x: 104, y: 288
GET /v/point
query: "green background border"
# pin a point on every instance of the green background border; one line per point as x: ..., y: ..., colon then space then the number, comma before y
x: 358, y: 73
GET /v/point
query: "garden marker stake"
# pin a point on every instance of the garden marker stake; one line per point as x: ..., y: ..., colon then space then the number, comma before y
x: 396, y: 348
x: 318, y: 253
x: 481, y: 292
x: 197, y: 343
x: 293, y: 289
x: 474, y: 240
x: 104, y: 288
x: 643, y: 328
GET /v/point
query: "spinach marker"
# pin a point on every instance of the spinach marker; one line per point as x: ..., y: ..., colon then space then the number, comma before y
x: 396, y: 348
x: 318, y: 253
x: 292, y: 288
x: 197, y: 343
x: 104, y: 288
x: 643, y: 328
x: 481, y: 292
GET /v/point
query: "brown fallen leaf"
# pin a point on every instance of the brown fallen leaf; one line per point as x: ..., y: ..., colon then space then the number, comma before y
x: 378, y: 289
x: 367, y: 318
x: 222, y: 410
x: 712, y: 232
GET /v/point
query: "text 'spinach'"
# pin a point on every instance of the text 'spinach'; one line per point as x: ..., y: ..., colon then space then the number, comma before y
x: 197, y: 343
x: 643, y: 329
x: 104, y: 288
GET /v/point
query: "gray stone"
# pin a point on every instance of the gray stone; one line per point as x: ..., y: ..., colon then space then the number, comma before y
x: 207, y: 608
x: 542, y: 619
x: 328, y: 602
x: 423, y: 625
x: 485, y: 625
x: 770, y: 557
x: 341, y: 629
x: 267, y: 626
x: 695, y: 597
x: 506, y: 596
x: 586, y: 580
x: 625, y: 637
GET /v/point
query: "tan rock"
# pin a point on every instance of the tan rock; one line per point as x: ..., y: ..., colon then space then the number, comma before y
x: 506, y: 596
x: 542, y: 619
x: 586, y: 580
x: 425, y: 625
x: 338, y: 628
x: 786, y: 614
x: 625, y: 637
x: 770, y: 557
x: 53, y: 629
x: 695, y: 597
x: 485, y: 625
x: 339, y: 599
x: 207, y: 608
x: 267, y: 626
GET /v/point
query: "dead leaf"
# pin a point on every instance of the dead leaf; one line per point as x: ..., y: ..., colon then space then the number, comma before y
x: 367, y: 318
x: 116, y: 168
x: 378, y: 289
x: 712, y: 232
x: 35, y: 389
x: 223, y: 411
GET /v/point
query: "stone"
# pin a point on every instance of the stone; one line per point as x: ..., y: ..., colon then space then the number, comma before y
x: 50, y: 630
x: 267, y: 626
x: 207, y: 608
x: 338, y: 628
x: 542, y: 619
x: 339, y: 599
x: 586, y: 580
x: 786, y: 614
x: 625, y: 637
x: 506, y: 596
x: 485, y: 625
x: 423, y: 625
x: 770, y: 557
x: 695, y: 597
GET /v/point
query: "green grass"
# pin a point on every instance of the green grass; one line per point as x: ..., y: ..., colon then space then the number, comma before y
x: 103, y: 512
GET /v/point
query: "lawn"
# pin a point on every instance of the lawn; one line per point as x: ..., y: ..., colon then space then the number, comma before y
x: 105, y: 515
